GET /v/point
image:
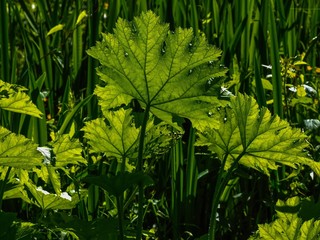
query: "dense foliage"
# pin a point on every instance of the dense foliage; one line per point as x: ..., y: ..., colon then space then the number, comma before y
x: 117, y: 125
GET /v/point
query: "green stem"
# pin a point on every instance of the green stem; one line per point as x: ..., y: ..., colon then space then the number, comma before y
x: 4, y: 42
x: 139, y: 169
x: 120, y: 204
x: 220, y: 185
x: 3, y: 185
x: 120, y: 216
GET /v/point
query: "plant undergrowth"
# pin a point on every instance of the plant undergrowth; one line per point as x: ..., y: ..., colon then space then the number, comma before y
x: 159, y: 120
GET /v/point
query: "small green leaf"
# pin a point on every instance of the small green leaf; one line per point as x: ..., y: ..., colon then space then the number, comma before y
x: 119, y: 136
x: 119, y: 139
x: 17, y: 151
x: 82, y: 15
x: 56, y: 28
x: 256, y: 139
x: 67, y: 151
x: 14, y: 99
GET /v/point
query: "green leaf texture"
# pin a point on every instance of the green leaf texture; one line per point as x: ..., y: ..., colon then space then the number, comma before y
x: 18, y: 151
x: 288, y: 225
x: 13, y: 98
x: 46, y: 200
x: 67, y: 151
x: 173, y: 73
x: 118, y: 138
x: 116, y: 135
x: 256, y: 139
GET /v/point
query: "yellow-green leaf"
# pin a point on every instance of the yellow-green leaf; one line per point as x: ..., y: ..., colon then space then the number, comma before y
x: 173, y: 73
x: 67, y: 151
x: 82, y: 15
x: 301, y: 92
x: 46, y: 200
x: 56, y: 28
x: 118, y: 139
x: 257, y: 139
x: 13, y: 98
x: 117, y: 135
x: 18, y: 151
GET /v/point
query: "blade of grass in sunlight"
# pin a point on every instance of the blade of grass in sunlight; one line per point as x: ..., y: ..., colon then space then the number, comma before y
x: 77, y: 43
x: 275, y: 62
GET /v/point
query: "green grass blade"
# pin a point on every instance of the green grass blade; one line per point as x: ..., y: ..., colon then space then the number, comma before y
x: 275, y: 62
x: 69, y: 118
x: 260, y: 92
x: 191, y: 179
x: 177, y: 186
x: 4, y: 42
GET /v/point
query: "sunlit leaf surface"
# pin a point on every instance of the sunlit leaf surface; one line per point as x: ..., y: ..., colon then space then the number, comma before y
x: 18, y: 151
x: 257, y: 139
x: 46, y: 200
x: 118, y: 138
x: 67, y: 151
x: 116, y: 135
x: 173, y: 73
x: 13, y: 98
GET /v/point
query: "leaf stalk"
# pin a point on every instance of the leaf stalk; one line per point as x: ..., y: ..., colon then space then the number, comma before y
x: 139, y: 169
x: 220, y: 186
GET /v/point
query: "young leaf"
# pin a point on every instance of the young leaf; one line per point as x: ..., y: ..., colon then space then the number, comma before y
x: 118, y: 140
x: 13, y: 98
x: 120, y: 137
x: 67, y: 151
x: 56, y: 28
x: 165, y: 71
x: 17, y: 151
x: 256, y: 139
x: 82, y: 15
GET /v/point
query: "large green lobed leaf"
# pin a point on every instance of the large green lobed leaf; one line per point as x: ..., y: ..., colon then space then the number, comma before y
x: 172, y: 73
x: 256, y: 139
x: 14, y: 99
